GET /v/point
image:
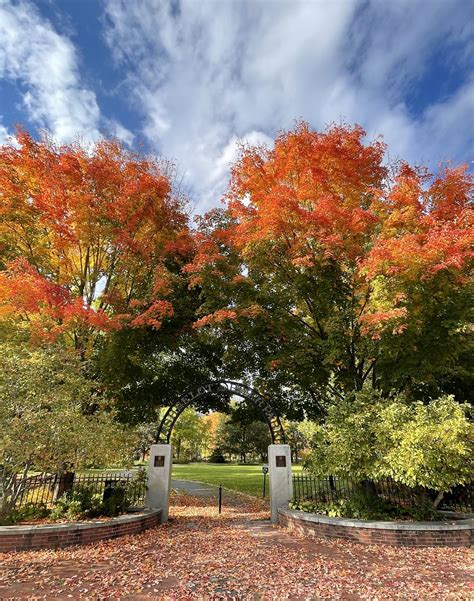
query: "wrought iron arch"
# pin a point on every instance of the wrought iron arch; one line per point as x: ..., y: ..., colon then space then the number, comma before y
x: 228, y: 389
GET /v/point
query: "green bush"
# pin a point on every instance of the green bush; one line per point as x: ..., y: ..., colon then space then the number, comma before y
x: 369, y: 437
x: 28, y: 513
x: 135, y: 487
x: 217, y: 457
x: 43, y: 425
x: 118, y: 501
x: 82, y: 501
x: 361, y: 506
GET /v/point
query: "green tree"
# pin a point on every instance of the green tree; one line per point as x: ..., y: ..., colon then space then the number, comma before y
x: 243, y: 435
x: 49, y: 419
x: 298, y: 435
x: 189, y: 435
x: 145, y: 437
x: 143, y: 370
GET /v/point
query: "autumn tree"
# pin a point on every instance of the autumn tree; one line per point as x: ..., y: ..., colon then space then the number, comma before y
x: 212, y: 424
x: 327, y: 270
x: 91, y: 240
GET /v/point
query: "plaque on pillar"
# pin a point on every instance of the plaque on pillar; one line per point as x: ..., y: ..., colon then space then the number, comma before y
x: 280, y: 460
x: 159, y: 461
x: 159, y: 479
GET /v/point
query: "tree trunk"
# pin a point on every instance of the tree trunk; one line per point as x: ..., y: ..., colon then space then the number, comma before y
x: 63, y: 484
x: 368, y: 489
x: 13, y: 486
x: 178, y: 450
x: 438, y: 500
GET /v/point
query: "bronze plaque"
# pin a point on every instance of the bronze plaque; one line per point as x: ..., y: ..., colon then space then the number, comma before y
x: 159, y: 461
x: 280, y: 460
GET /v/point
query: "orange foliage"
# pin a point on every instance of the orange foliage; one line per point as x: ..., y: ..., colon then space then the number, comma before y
x: 319, y: 199
x: 217, y: 317
x: 85, y: 235
x: 426, y: 228
x: 312, y: 191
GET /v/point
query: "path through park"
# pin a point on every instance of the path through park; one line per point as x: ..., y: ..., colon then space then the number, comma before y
x: 238, y: 555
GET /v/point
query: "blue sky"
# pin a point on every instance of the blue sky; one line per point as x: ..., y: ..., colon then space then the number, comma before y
x: 189, y: 79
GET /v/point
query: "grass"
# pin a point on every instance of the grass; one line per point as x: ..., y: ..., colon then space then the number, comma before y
x: 243, y: 478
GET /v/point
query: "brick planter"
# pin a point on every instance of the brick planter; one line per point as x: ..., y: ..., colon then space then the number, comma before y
x: 56, y: 536
x: 457, y: 533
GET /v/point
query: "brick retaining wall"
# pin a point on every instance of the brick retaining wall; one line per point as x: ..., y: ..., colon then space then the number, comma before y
x: 56, y: 536
x: 457, y: 533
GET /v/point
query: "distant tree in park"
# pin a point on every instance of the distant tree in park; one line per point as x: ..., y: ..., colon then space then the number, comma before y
x: 242, y: 440
x: 91, y: 240
x: 212, y: 425
x: 327, y: 270
x: 298, y: 436
x: 242, y: 435
x: 47, y: 421
x: 188, y: 436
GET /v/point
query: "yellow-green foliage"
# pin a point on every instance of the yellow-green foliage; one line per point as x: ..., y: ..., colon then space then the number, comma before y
x: 49, y: 416
x: 430, y: 445
x: 369, y: 437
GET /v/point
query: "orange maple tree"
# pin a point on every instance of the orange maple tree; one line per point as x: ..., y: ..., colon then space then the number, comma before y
x: 90, y: 239
x: 345, y: 266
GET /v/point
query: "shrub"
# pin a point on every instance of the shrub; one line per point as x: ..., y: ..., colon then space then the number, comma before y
x: 28, y: 513
x: 368, y: 437
x: 217, y: 457
x: 43, y: 424
x: 81, y: 501
x: 117, y: 502
x: 364, y: 506
x: 136, y: 486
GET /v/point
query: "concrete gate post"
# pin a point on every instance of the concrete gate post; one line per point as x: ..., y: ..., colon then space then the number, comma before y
x: 159, y: 479
x: 281, y: 484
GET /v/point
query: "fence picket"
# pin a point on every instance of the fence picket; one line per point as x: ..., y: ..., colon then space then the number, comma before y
x: 39, y: 490
x: 322, y: 490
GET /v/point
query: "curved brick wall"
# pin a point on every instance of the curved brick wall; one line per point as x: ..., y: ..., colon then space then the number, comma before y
x: 56, y: 536
x: 398, y: 534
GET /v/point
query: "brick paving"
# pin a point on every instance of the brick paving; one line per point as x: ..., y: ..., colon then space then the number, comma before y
x: 238, y: 555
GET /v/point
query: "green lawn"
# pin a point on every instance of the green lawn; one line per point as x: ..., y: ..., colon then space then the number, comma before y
x: 244, y: 478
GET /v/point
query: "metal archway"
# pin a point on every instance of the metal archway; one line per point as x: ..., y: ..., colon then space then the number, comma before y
x: 226, y: 388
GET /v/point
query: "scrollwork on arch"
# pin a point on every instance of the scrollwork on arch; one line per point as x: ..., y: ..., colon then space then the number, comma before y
x: 228, y: 389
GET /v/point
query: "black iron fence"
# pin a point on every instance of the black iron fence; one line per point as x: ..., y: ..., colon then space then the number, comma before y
x: 332, y: 489
x: 46, y: 489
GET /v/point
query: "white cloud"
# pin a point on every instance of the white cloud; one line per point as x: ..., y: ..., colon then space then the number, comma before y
x: 204, y: 74
x: 46, y: 64
x: 447, y: 129
x: 4, y: 135
x: 7, y: 137
x: 117, y: 130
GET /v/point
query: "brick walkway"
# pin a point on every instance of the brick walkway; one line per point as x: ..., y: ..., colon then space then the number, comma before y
x: 239, y: 555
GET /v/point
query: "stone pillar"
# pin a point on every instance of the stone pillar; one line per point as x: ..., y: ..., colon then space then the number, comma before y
x: 281, y: 484
x: 159, y: 479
